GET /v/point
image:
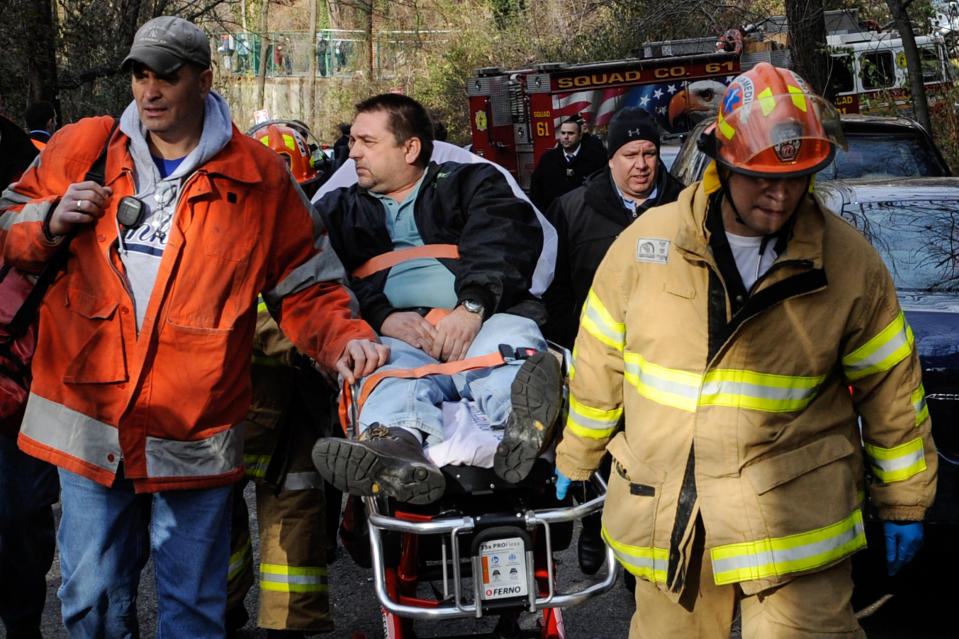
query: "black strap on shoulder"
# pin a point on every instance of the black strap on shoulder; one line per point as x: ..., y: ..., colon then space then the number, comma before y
x: 97, y: 172
x: 27, y: 312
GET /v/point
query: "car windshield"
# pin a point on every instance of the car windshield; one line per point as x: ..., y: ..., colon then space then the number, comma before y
x: 889, y: 156
x: 918, y: 240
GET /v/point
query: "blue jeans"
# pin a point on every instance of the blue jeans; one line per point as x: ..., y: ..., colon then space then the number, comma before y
x: 417, y: 403
x: 28, y: 487
x: 107, y: 534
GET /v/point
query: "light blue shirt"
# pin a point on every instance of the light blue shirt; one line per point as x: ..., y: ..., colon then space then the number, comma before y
x: 631, y: 204
x: 422, y: 281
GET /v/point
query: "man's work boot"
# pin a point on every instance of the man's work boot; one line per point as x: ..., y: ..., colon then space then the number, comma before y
x: 385, y: 461
x: 537, y: 394
x: 591, y: 548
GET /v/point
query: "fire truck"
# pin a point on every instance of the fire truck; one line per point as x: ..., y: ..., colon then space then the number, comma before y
x: 514, y: 115
x: 869, y: 74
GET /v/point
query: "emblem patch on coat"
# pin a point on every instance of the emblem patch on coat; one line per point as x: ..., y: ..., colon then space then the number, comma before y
x: 652, y: 249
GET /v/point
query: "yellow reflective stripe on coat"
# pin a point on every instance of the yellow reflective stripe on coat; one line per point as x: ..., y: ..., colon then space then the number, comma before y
x: 239, y: 560
x: 744, y: 389
x: 899, y: 463
x: 648, y: 563
x: 783, y: 555
x: 758, y: 391
x: 594, y: 423
x: 256, y: 465
x: 662, y: 385
x: 892, y: 345
x: 599, y: 323
x: 919, y: 404
x: 281, y: 578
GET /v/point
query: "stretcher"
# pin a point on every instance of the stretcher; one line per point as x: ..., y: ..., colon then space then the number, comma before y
x: 485, y: 549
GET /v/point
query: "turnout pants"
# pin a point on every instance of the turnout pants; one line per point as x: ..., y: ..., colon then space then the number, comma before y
x: 290, y: 511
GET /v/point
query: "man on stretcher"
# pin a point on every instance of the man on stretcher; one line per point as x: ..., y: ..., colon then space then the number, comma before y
x: 441, y: 258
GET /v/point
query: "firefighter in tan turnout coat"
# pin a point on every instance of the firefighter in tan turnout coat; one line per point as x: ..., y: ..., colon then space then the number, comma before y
x: 743, y: 331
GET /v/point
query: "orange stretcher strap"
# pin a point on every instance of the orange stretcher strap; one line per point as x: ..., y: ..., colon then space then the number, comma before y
x: 436, y: 314
x: 446, y: 368
x: 387, y: 260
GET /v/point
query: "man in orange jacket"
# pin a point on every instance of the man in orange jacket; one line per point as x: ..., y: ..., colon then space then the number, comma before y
x: 142, y: 371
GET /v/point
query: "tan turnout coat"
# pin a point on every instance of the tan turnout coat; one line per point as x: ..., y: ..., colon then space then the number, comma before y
x: 750, y: 422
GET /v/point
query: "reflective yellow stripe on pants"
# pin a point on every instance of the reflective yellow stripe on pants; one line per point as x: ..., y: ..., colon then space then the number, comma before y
x: 292, y: 578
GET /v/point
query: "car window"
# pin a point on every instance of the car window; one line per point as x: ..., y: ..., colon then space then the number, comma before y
x: 667, y: 154
x: 918, y: 240
x: 931, y: 71
x: 892, y: 156
x: 840, y: 74
x: 877, y: 70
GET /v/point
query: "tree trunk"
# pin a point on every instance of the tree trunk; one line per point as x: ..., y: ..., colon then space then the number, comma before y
x: 264, y: 50
x: 917, y: 89
x: 807, y: 42
x: 369, y: 34
x: 42, y: 62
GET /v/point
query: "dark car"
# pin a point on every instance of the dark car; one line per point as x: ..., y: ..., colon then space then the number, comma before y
x: 914, y: 224
x: 878, y: 147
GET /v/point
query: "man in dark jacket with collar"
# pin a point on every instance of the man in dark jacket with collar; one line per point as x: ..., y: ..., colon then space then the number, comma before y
x: 441, y: 259
x: 565, y: 166
x: 590, y: 217
x: 587, y: 220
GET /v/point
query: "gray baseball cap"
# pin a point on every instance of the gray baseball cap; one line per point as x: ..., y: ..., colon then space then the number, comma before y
x: 166, y: 43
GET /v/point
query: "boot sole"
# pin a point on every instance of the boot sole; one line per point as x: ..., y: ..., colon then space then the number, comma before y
x: 536, y: 396
x: 357, y: 470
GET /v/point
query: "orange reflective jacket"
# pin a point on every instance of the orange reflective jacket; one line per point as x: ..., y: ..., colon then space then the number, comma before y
x: 167, y: 402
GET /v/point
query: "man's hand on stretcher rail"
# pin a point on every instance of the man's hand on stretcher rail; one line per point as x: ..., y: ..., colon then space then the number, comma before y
x: 360, y: 358
x: 448, y: 341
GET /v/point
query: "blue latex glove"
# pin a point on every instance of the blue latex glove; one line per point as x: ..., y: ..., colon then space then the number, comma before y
x: 562, y: 484
x: 903, y: 540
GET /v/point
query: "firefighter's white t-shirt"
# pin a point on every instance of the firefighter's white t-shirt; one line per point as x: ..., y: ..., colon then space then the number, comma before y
x: 752, y: 259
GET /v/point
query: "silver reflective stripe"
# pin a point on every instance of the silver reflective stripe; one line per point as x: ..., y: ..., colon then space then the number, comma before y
x: 36, y: 212
x: 776, y: 393
x: 660, y: 389
x: 908, y: 460
x: 322, y: 267
x: 240, y: 560
x: 72, y: 432
x: 594, y: 319
x: 216, y: 455
x: 578, y: 414
x: 882, y: 352
x: 283, y: 578
x: 796, y: 553
x: 652, y: 568
x: 302, y: 481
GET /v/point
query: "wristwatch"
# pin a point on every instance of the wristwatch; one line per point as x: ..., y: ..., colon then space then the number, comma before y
x: 473, y: 307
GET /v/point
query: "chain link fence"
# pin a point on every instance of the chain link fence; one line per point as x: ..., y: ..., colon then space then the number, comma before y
x: 338, y: 52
